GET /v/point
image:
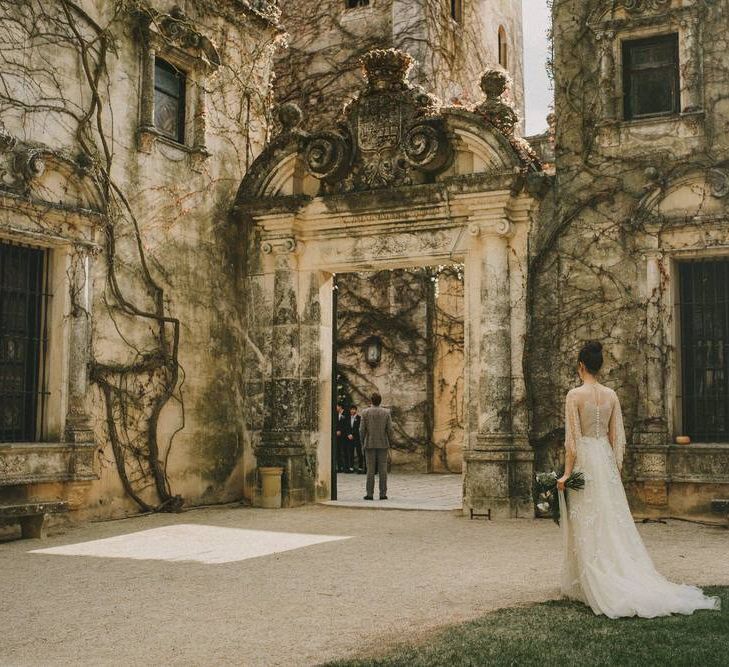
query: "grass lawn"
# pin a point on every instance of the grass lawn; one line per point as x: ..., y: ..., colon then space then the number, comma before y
x: 564, y: 633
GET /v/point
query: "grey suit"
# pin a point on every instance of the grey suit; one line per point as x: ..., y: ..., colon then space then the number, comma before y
x: 376, y: 433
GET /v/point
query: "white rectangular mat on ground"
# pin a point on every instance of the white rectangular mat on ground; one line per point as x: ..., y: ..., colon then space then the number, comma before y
x: 192, y: 542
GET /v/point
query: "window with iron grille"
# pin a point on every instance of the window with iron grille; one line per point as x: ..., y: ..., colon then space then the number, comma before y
x: 353, y: 4
x: 169, y: 100
x: 704, y: 312
x: 651, y: 77
x: 23, y: 301
x: 457, y: 10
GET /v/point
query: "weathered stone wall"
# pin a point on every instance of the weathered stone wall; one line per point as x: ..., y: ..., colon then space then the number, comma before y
x: 418, y: 316
x: 630, y: 200
x: 320, y: 68
x: 159, y: 218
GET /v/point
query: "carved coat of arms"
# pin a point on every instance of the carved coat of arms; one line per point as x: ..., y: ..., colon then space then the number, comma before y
x: 379, y: 125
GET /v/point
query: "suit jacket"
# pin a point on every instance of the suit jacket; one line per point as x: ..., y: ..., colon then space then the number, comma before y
x: 376, y: 428
x: 353, y: 429
x: 342, y: 425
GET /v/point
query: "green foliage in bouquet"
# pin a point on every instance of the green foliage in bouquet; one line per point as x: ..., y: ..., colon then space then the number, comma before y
x: 547, y: 489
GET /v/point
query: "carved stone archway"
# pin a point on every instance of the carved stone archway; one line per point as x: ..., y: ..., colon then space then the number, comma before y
x: 399, y: 182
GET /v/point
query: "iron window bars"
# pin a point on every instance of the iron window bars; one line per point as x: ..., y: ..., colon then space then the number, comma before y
x: 704, y: 313
x: 24, y: 297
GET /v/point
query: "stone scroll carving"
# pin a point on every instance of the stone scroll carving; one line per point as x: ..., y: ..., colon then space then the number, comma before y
x: 640, y: 6
x: 390, y: 135
x: 718, y: 180
x: 20, y: 165
x: 328, y: 156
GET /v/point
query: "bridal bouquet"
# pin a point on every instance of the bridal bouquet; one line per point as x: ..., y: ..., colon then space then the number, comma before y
x: 548, y: 494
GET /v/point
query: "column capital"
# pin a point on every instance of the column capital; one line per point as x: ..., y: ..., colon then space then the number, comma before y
x: 282, y: 246
x: 485, y: 228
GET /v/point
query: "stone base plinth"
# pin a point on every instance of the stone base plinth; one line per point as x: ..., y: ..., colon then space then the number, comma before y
x: 299, y: 470
x: 498, y: 476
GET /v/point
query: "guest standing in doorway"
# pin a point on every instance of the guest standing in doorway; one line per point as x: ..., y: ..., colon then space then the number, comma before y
x: 376, y: 434
x: 341, y: 439
x: 355, y: 440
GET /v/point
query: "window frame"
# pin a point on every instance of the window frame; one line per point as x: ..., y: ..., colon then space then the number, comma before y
x: 352, y: 8
x: 627, y: 74
x: 503, y: 48
x: 181, y: 74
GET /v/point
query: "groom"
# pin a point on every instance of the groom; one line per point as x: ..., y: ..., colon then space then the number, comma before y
x: 376, y: 433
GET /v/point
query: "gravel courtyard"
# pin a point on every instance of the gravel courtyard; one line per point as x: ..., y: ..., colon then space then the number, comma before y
x: 398, y: 574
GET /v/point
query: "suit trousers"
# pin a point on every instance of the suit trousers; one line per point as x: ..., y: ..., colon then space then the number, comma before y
x: 376, y: 457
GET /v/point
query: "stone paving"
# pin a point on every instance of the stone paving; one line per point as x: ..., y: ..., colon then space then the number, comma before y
x: 242, y: 586
x: 406, y: 491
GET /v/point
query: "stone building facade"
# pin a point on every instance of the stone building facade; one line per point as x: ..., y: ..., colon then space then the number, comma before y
x: 166, y: 319
x: 632, y: 245
x: 452, y: 44
x: 126, y: 129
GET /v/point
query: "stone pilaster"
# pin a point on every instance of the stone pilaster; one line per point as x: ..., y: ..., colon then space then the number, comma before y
x: 650, y: 455
x: 607, y: 74
x: 77, y: 424
x: 290, y: 390
x: 691, y: 88
x: 498, y: 466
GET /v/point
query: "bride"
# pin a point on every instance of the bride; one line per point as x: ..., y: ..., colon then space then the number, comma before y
x: 606, y: 565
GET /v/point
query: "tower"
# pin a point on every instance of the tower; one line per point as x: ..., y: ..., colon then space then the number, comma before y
x: 453, y: 41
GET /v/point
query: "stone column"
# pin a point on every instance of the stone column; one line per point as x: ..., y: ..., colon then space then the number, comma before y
x: 650, y: 459
x: 77, y: 429
x: 200, y: 123
x: 289, y: 391
x: 691, y: 66
x: 607, y: 74
x: 77, y: 426
x: 498, y: 470
x: 147, y: 92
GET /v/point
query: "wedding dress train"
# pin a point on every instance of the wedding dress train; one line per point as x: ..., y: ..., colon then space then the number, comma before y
x: 606, y: 564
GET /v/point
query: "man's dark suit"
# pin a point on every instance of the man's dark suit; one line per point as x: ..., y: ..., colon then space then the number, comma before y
x: 342, y: 444
x: 356, y: 441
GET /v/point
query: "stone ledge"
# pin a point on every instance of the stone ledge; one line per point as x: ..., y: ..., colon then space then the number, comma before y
x: 46, y: 462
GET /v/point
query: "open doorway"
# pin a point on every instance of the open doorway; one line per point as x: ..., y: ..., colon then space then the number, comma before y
x: 400, y: 333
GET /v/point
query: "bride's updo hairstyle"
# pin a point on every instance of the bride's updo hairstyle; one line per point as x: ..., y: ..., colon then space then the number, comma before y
x: 591, y: 356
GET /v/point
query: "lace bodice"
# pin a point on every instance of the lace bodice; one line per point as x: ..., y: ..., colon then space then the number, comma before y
x: 593, y: 410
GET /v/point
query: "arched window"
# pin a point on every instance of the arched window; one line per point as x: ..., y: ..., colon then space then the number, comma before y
x: 503, y: 48
x: 457, y: 10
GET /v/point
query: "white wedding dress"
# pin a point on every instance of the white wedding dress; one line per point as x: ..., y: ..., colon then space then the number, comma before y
x: 606, y: 565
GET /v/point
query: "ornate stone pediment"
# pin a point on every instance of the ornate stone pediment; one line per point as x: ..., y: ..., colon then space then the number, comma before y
x: 176, y: 29
x: 40, y: 174
x: 699, y: 193
x: 392, y: 134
